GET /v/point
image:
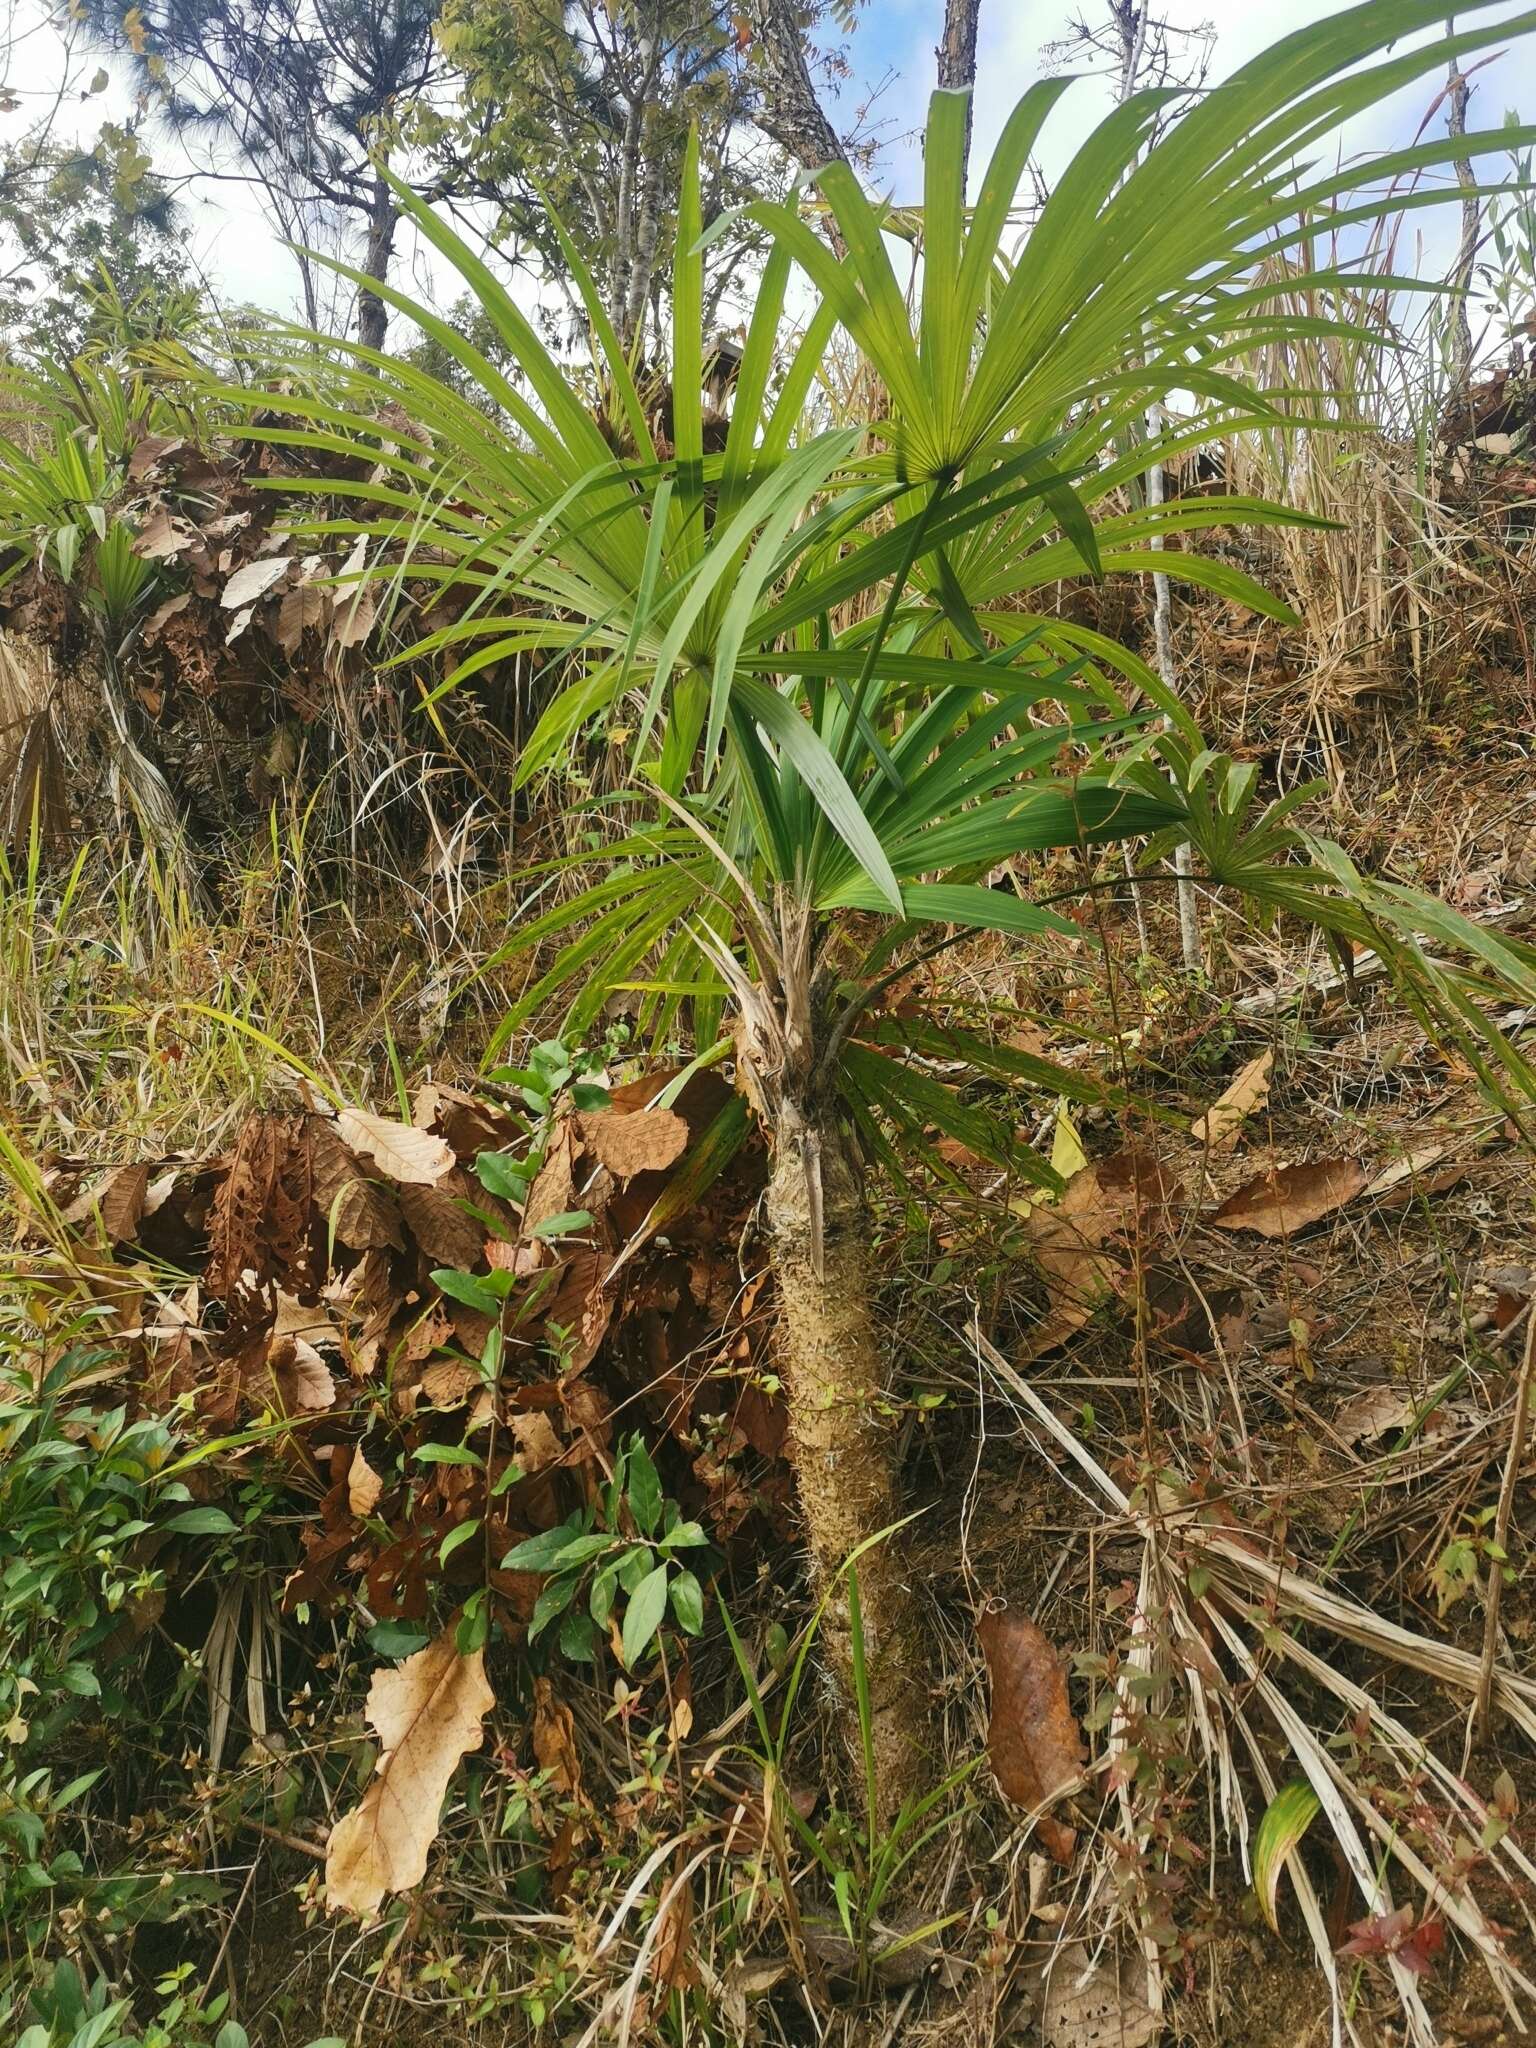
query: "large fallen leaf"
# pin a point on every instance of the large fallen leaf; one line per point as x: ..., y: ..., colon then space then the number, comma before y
x: 554, y: 1191
x: 427, y: 1713
x: 1033, y: 1737
x: 639, y: 1141
x: 1218, y: 1130
x: 440, y: 1226
x: 358, y: 1211
x: 1287, y: 1199
x: 538, y: 1447
x: 398, y: 1150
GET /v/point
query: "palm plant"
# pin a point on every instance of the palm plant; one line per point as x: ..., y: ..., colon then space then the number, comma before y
x: 841, y: 713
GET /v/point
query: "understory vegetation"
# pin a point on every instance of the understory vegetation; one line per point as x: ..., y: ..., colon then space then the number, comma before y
x: 764, y: 1094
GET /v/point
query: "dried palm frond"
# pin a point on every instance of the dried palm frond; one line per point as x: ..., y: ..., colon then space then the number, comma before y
x: 1246, y: 1599
x: 33, y: 795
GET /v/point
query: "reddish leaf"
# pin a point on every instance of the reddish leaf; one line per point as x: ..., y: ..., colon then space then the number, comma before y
x: 1033, y: 1739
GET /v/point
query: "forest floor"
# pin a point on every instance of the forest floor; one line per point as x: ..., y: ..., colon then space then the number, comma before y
x: 1328, y: 1357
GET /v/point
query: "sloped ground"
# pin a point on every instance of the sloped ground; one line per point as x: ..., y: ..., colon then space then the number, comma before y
x: 1294, y: 1336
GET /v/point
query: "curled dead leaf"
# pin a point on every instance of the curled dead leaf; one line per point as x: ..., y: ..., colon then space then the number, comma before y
x: 427, y: 1713
x: 253, y: 581
x: 119, y: 1199
x: 1123, y: 1198
x: 1033, y: 1737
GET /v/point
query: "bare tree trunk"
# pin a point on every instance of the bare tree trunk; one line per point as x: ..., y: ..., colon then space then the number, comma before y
x: 647, y: 221
x: 957, y: 53
x: 1471, y: 216
x: 789, y: 111
x: 372, y: 320
x: 835, y: 1385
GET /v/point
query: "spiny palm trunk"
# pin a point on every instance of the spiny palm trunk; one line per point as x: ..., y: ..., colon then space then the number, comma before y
x: 835, y: 1383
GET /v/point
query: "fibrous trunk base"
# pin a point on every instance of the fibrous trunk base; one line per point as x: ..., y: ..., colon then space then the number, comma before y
x: 835, y: 1382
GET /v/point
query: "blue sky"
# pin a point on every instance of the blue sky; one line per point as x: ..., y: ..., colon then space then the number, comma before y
x: 895, y: 41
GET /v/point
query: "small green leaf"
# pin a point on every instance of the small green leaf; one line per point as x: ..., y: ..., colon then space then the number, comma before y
x: 457, y: 1538
x: 468, y: 1288
x: 633, y: 1566
x: 1286, y: 1819
x: 563, y: 1225
x: 554, y: 1599
x: 686, y: 1536
x: 643, y: 1488
x: 396, y: 1639
x: 538, y: 1553
x: 588, y: 1095
x: 202, y: 1522
x: 474, y: 1629
x: 500, y: 1174
x: 605, y: 1589
x: 447, y: 1454
x: 578, y: 1637
x: 688, y: 1603
x: 580, y: 1549
x: 642, y: 1617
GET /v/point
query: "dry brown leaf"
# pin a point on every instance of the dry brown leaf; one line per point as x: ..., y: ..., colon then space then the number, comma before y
x: 354, y: 602
x: 1406, y: 1169
x: 637, y: 1141
x: 439, y: 1225
x: 538, y: 1447
x: 162, y: 615
x: 120, y: 1198
x: 364, y: 1486
x: 427, y: 1713
x: 161, y: 537
x: 1291, y: 1198
x: 1221, y: 1126
x: 447, y: 1381
x: 361, y: 1213
x: 672, y: 1964
x: 554, y: 1191
x: 1124, y: 1197
x: 300, y: 1376
x: 295, y: 1318
x: 302, y: 607
x: 554, y: 1739
x: 1103, y: 2008
x: 1033, y: 1737
x: 1383, y: 1411
x: 396, y: 1149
